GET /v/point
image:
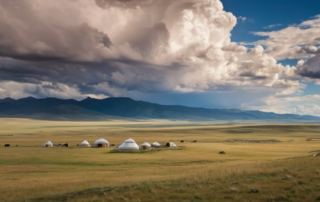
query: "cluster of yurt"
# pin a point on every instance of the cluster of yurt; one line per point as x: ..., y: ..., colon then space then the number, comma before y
x: 98, y: 143
x: 146, y: 145
x: 129, y: 144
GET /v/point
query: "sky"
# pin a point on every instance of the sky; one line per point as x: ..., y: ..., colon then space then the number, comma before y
x: 251, y: 55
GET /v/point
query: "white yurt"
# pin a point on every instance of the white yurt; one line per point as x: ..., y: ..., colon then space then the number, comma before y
x: 48, y: 144
x: 101, y: 143
x: 146, y: 145
x: 129, y: 144
x: 85, y: 144
x: 171, y: 144
x: 156, y: 144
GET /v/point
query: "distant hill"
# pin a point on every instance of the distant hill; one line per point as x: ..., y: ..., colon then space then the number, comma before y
x: 50, y: 108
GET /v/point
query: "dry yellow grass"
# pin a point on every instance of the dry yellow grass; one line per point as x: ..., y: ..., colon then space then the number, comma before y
x: 31, y: 171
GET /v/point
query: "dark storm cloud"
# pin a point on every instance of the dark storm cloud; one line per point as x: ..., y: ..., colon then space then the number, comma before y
x: 310, y: 50
x: 63, y: 43
x: 25, y: 35
x: 86, y: 76
x: 310, y: 74
x: 310, y: 68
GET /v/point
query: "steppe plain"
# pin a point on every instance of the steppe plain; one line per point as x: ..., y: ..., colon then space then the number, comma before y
x: 279, y: 170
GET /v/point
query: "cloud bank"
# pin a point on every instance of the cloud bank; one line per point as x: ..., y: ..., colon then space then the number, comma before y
x: 73, y: 49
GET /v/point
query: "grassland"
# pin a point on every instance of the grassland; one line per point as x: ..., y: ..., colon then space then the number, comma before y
x: 281, y: 171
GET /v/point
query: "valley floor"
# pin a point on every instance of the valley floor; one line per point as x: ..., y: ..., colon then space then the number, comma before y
x: 259, y: 170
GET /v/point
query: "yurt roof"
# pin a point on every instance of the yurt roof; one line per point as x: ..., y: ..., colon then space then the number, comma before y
x: 130, y: 140
x: 49, y: 143
x: 84, y: 142
x: 156, y: 144
x: 129, y: 144
x: 101, y: 141
x: 146, y: 144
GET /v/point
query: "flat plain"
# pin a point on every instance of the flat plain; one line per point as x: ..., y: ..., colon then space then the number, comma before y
x: 252, y: 169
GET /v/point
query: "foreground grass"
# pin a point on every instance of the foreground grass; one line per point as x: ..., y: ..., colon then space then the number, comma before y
x: 294, y: 179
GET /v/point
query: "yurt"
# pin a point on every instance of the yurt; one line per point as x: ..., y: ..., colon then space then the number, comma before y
x: 101, y: 143
x: 146, y: 145
x: 171, y: 144
x: 48, y: 144
x: 129, y: 144
x: 156, y: 145
x: 85, y: 144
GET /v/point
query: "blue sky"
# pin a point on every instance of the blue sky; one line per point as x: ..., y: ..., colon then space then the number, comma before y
x: 261, y: 14
x: 248, y: 54
x: 264, y: 13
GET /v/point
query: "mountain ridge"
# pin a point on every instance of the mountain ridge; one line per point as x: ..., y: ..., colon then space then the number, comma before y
x: 128, y: 108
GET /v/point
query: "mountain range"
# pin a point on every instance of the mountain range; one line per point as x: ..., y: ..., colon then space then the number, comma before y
x: 123, y: 108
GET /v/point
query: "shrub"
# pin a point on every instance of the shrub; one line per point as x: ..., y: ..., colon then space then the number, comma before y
x: 254, y: 190
x: 234, y: 190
